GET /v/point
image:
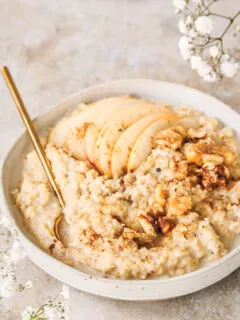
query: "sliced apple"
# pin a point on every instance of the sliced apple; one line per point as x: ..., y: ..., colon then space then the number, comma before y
x: 124, y: 144
x: 98, y: 121
x: 116, y: 124
x: 69, y: 132
x: 143, y: 145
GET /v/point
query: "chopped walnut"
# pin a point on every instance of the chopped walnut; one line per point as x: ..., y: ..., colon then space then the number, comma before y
x: 171, y: 138
x: 193, y: 153
x: 214, y: 175
x: 179, y: 205
x: 130, y: 233
x: 161, y: 195
x: 197, y: 134
x: 181, y: 170
x: 214, y: 158
x: 196, y: 152
x: 142, y: 238
x: 147, y: 223
x: 165, y: 224
x: 228, y: 155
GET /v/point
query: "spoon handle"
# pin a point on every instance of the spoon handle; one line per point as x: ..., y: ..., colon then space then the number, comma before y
x: 32, y: 132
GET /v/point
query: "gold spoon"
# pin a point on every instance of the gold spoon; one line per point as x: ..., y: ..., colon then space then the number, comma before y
x: 36, y: 143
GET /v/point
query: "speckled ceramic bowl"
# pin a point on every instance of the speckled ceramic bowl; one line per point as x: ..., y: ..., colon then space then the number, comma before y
x: 154, y: 289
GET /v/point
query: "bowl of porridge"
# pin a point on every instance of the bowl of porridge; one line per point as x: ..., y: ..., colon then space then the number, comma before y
x: 150, y: 175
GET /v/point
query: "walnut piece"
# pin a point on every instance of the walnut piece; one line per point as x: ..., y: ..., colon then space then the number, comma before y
x: 214, y: 175
x: 147, y: 223
x: 165, y: 224
x: 171, y: 138
x: 196, y: 133
x: 179, y: 205
x: 197, y: 152
x: 161, y: 195
x: 181, y: 170
x: 214, y: 158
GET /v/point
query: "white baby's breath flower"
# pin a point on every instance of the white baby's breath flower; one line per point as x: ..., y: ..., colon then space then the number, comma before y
x: 182, y: 27
x: 192, y: 33
x: 214, y: 51
x: 28, y: 313
x: 211, y: 62
x: 196, y: 62
x: 202, y: 67
x: 225, y: 57
x: 203, y: 25
x: 185, y: 47
x: 210, y: 77
x: 17, y: 252
x: 65, y: 292
x: 189, y: 20
x: 179, y: 4
x: 229, y: 69
x: 28, y: 284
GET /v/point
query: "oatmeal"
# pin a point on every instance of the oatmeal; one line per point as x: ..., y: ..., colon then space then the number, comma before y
x: 168, y: 214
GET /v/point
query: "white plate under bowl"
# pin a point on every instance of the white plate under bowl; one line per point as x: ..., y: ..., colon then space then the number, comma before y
x: 155, y: 289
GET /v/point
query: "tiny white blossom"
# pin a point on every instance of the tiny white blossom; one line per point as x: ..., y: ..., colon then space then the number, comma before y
x: 65, y: 292
x: 28, y: 313
x: 28, y: 284
x: 201, y: 66
x: 17, y: 252
x: 179, y: 4
x: 182, y: 26
x: 204, y: 25
x: 196, y: 62
x: 189, y: 20
x: 229, y: 69
x: 210, y: 77
x: 237, y: 28
x: 192, y: 33
x: 214, y: 51
x: 204, y: 69
x: 185, y: 47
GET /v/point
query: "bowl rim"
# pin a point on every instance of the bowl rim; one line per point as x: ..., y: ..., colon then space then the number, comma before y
x: 5, y: 207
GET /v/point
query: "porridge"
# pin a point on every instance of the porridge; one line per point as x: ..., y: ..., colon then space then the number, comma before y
x: 148, y: 191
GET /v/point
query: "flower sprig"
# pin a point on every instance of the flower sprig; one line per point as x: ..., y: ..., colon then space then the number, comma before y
x: 52, y: 310
x: 207, y: 53
x: 10, y: 255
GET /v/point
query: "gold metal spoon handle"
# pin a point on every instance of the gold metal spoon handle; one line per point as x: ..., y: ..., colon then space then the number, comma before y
x: 32, y: 132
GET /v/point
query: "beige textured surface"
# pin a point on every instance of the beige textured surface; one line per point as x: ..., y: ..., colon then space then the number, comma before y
x: 55, y: 48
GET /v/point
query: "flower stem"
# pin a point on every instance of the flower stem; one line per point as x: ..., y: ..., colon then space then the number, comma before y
x: 219, y: 15
x: 230, y: 23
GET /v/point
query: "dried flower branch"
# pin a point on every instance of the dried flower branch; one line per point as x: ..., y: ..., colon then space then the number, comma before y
x: 207, y: 54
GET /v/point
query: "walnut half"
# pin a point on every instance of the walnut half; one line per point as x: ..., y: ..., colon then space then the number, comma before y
x: 198, y: 153
x: 214, y: 175
x: 179, y: 205
x: 165, y: 224
x: 147, y: 223
x: 171, y: 138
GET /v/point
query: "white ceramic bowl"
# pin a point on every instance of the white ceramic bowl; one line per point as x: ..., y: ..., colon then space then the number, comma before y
x: 154, y: 289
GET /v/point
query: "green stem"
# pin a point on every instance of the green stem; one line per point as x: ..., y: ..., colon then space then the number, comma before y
x: 230, y: 23
x: 219, y: 15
